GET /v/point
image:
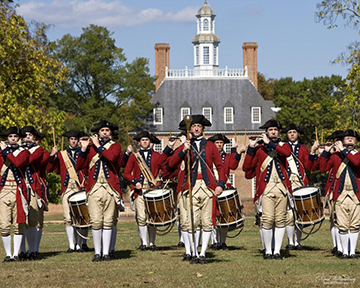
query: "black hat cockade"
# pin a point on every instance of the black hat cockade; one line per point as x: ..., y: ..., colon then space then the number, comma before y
x: 154, y: 139
x: 13, y: 130
x: 104, y: 123
x: 73, y: 133
x: 335, y: 135
x: 29, y: 129
x: 350, y: 133
x: 292, y: 126
x: 219, y: 137
x: 142, y: 134
x: 271, y: 123
x: 196, y: 119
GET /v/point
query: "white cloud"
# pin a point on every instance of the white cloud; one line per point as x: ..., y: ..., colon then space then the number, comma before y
x: 81, y: 13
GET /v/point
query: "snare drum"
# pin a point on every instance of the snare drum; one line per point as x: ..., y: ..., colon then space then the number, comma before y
x: 308, y: 206
x: 160, y: 207
x: 230, y: 208
x: 78, y: 210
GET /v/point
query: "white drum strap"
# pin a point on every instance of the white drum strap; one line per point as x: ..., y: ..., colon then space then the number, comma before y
x: 97, y: 156
x: 292, y: 165
x: 342, y: 166
x: 216, y: 173
x: 70, y: 167
x: 267, y: 160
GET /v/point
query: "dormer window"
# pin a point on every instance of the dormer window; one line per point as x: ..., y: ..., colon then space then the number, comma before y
x: 158, y: 116
x: 207, y: 112
x: 228, y: 115
x: 255, y: 114
x: 185, y: 111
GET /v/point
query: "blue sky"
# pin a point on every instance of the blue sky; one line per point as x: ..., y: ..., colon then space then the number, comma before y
x: 291, y: 43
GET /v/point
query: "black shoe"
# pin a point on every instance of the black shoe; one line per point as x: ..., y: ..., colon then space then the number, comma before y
x: 106, y: 258
x: 290, y: 247
x: 194, y: 260
x: 353, y: 256
x: 16, y: 259
x: 181, y: 244
x: 339, y: 254
x: 32, y: 256
x: 142, y: 248
x: 186, y: 257
x: 22, y: 256
x: 97, y: 258
x: 224, y: 247
x: 202, y: 260
x: 79, y: 250
x: 112, y: 254
x: 85, y: 248
x: 153, y: 248
x: 299, y: 247
x: 277, y: 256
x: 268, y: 256
x: 214, y: 246
x: 334, y: 251
x: 7, y: 259
x: 344, y: 256
x: 70, y: 250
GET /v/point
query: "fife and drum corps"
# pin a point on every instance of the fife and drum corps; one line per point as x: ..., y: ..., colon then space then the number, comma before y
x: 188, y: 182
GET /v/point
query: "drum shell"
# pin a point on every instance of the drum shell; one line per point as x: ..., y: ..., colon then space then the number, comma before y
x: 78, y: 209
x: 230, y: 209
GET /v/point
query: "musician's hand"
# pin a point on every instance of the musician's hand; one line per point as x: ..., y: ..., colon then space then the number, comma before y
x: 327, y: 148
x: 54, y: 151
x: 339, y: 145
x: 138, y: 186
x: 172, y: 142
x: 242, y: 149
x: 19, y: 142
x: 186, y: 145
x: 3, y: 145
x: 129, y: 149
x: 95, y: 140
x: 315, y: 146
x: 235, y: 145
x: 252, y: 142
x: 84, y: 143
x: 265, y: 138
x: 218, y: 190
x: 321, y: 149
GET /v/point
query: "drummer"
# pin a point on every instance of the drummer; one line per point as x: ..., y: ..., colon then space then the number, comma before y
x: 272, y: 184
x: 204, y: 155
x: 137, y: 172
x: 231, y: 162
x: 297, y: 163
x: 72, y: 181
x: 345, y: 166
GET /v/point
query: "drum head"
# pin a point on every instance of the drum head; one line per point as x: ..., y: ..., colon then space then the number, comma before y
x: 227, y: 193
x: 153, y: 194
x: 305, y: 191
x: 77, y: 197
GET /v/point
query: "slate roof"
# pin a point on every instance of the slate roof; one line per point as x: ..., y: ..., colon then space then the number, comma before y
x: 218, y: 93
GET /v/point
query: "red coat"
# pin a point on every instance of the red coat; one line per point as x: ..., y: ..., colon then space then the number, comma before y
x: 231, y: 161
x: 57, y: 164
x: 332, y: 162
x: 211, y: 155
x: 34, y: 166
x: 19, y: 162
x: 110, y: 158
x: 255, y: 156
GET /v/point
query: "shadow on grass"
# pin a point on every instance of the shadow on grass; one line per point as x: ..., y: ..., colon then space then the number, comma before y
x: 46, y: 255
x: 123, y: 254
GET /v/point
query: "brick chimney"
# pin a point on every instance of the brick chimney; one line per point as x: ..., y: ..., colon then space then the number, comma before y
x: 250, y: 60
x: 161, y: 62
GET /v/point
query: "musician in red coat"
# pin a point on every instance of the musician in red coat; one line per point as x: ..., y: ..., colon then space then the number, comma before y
x: 231, y: 162
x: 268, y: 161
x: 203, y: 155
x: 60, y: 163
x: 33, y: 182
x: 345, y: 166
x: 14, y: 198
x: 140, y: 182
x: 103, y: 186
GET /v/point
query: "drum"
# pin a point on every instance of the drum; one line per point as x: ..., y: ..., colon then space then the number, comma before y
x: 78, y: 210
x: 230, y: 208
x: 160, y: 207
x: 308, y: 206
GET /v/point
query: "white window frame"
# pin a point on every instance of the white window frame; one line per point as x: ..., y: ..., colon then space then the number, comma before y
x: 227, y: 147
x: 199, y: 25
x: 215, y: 55
x: 161, y: 117
x: 210, y: 114
x: 206, y: 55
x: 197, y: 54
x: 184, y: 111
x: 159, y: 147
x: 206, y: 25
x: 232, y: 115
x: 253, y: 109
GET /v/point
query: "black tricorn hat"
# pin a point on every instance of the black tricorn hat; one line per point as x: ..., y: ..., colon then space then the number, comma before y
x: 13, y: 130
x: 82, y: 134
x: 271, y: 123
x: 40, y: 136
x: 29, y: 129
x: 292, y: 126
x: 350, y: 133
x: 335, y: 134
x: 219, y: 137
x: 196, y: 119
x: 154, y: 139
x: 104, y: 123
x: 142, y: 134
x: 72, y: 133
x: 115, y: 135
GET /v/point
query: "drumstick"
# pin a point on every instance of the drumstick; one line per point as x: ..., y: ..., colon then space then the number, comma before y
x: 316, y: 136
x: 62, y: 143
x: 53, y: 130
x: 245, y: 137
x: 128, y: 136
x: 322, y: 136
x: 235, y: 134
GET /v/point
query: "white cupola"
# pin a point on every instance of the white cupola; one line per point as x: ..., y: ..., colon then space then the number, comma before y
x: 206, y: 42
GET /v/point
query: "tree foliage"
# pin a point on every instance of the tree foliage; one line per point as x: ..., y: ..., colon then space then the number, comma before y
x: 101, y: 83
x: 266, y: 86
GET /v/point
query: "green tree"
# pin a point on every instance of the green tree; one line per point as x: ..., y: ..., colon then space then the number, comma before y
x: 101, y: 83
x: 266, y: 86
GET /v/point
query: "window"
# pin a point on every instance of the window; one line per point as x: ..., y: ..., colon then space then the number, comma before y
x: 199, y: 25
x: 158, y: 115
x: 227, y: 147
x: 159, y: 147
x: 207, y: 112
x: 206, y: 25
x: 184, y: 111
x: 232, y: 179
x: 206, y: 54
x: 212, y: 26
x: 215, y: 54
x: 228, y: 115
x: 255, y: 114
x: 197, y: 55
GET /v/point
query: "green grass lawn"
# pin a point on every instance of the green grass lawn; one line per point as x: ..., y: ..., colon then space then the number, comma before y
x: 241, y: 266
